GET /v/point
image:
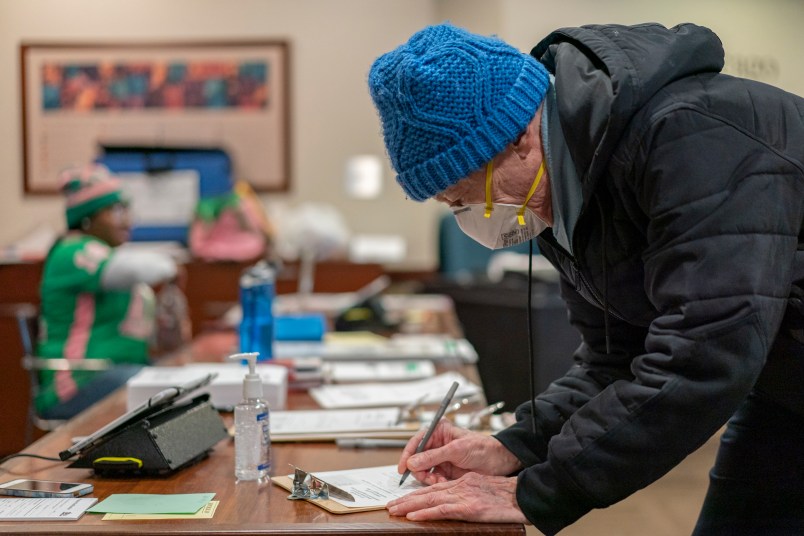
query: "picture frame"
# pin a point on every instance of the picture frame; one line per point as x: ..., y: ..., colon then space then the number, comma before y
x: 232, y: 95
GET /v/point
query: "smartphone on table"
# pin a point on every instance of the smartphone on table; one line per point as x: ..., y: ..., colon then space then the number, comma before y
x: 44, y: 488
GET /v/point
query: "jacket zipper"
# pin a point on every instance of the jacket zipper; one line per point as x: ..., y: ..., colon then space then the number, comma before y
x: 578, y: 276
x: 593, y: 291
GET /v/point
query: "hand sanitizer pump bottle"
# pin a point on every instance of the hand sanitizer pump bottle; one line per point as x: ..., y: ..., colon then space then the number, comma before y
x: 252, y: 426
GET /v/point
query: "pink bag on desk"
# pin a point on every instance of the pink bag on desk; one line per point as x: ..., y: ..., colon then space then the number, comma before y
x: 231, y: 227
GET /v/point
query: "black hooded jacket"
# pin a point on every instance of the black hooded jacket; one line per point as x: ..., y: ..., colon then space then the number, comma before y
x: 687, y: 253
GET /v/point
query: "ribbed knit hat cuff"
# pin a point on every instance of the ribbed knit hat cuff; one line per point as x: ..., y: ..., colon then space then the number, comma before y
x: 509, y: 121
x: 84, y: 210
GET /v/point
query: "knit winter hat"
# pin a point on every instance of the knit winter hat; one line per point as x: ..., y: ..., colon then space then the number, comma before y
x: 449, y: 101
x: 89, y: 189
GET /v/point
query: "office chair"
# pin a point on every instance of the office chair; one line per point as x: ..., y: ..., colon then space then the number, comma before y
x: 28, y: 325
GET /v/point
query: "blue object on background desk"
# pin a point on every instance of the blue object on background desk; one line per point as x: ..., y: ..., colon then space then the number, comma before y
x: 301, y: 327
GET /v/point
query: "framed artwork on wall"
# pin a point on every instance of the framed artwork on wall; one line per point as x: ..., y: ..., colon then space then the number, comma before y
x: 77, y: 97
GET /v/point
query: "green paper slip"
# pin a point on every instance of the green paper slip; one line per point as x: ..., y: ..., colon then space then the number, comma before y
x: 144, y: 503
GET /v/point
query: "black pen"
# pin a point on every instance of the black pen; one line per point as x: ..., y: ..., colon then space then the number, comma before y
x: 437, y: 417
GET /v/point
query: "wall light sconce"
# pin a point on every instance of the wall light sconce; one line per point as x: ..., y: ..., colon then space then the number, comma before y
x: 363, y: 177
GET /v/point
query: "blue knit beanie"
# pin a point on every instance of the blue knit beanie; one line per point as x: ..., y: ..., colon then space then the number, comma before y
x: 449, y: 101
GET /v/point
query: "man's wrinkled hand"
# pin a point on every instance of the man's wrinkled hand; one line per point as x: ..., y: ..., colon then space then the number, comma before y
x: 472, y: 497
x: 452, y: 452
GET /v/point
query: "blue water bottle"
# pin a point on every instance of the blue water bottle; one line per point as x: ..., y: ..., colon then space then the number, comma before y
x: 257, y: 289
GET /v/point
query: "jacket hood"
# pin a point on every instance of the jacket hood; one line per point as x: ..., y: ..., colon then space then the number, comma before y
x: 606, y: 73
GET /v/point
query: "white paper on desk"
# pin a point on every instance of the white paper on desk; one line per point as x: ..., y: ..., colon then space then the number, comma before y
x: 406, y: 346
x: 333, y: 421
x: 398, y: 347
x: 378, y: 371
x: 392, y: 394
x: 371, y: 486
x: 50, y: 509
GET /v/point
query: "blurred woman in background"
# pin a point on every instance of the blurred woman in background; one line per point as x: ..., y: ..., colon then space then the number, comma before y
x: 97, y: 302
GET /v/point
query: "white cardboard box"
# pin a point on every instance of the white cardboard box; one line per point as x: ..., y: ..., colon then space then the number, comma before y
x: 226, y: 390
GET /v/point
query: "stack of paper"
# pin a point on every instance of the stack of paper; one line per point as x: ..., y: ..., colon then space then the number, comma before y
x: 156, y: 506
x: 401, y: 346
x: 303, y: 372
x: 363, y: 395
x: 328, y: 425
x: 60, y: 509
x: 377, y: 371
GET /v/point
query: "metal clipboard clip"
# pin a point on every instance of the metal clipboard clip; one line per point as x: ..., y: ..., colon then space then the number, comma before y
x: 308, y: 486
x: 410, y: 412
x: 481, y: 419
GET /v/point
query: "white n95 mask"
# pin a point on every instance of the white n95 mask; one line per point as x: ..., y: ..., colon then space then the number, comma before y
x: 500, y: 225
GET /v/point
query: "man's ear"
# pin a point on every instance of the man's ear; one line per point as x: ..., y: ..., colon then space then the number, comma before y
x: 530, y: 138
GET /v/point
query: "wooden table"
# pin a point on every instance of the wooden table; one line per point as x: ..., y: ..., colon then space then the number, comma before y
x: 245, y: 508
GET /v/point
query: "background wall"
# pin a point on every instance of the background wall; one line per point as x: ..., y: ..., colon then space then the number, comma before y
x: 333, y: 43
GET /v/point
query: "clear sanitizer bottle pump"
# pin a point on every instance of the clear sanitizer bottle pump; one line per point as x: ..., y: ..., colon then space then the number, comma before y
x: 252, y: 426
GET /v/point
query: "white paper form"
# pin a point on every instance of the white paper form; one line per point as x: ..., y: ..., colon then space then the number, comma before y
x: 378, y: 371
x: 333, y: 421
x: 400, y: 346
x: 51, y: 509
x: 404, y: 346
x: 371, y: 486
x: 392, y: 394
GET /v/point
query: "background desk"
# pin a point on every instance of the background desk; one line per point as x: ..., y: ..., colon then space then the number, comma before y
x: 245, y: 508
x: 211, y: 288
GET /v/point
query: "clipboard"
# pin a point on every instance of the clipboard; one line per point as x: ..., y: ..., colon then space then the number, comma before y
x: 329, y: 505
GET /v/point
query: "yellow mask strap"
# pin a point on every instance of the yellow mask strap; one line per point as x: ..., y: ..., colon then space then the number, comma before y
x: 520, y: 213
x: 489, y: 204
